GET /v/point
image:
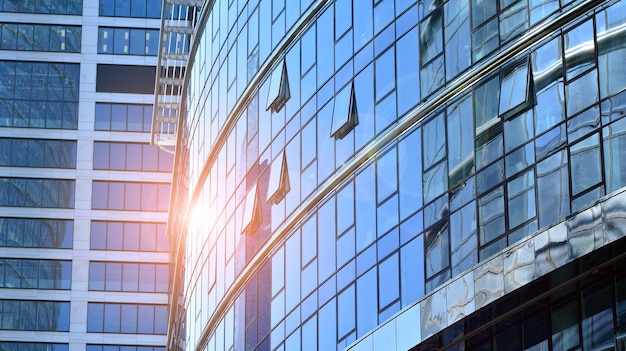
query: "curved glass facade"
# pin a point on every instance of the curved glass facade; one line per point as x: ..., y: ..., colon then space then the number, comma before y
x: 341, y: 162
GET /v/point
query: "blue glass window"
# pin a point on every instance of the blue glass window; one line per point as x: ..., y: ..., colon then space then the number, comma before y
x: 58, y: 109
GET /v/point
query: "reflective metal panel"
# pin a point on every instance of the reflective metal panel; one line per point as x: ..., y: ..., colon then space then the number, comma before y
x: 460, y: 297
x: 434, y: 316
x: 519, y: 265
x: 551, y: 249
x: 585, y: 232
x: 614, y: 217
x: 489, y: 281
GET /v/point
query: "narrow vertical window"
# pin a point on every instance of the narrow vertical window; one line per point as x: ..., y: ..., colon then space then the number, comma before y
x: 279, y: 180
x: 345, y: 116
x: 279, y: 89
x: 251, y: 212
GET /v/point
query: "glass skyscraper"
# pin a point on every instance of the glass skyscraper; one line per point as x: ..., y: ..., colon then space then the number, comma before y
x: 84, y: 255
x: 397, y: 174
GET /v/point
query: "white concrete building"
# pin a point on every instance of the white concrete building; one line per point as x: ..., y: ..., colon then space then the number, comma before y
x: 83, y: 196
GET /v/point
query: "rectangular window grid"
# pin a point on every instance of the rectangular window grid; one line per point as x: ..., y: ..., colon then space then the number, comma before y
x: 36, y: 232
x: 40, y: 37
x: 41, y: 153
x: 128, y: 276
x: 131, y: 157
x: 43, y: 193
x: 126, y: 318
x: 16, y: 273
x: 130, y: 196
x: 39, y: 94
x: 34, y: 315
x: 129, y: 236
x: 123, y: 117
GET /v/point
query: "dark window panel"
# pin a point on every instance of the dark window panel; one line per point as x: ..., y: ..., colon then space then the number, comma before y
x: 125, y: 79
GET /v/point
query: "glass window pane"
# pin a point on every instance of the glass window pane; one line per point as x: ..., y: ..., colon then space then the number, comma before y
x: 133, y: 157
x: 431, y: 36
x: 137, y: 41
x: 585, y: 159
x: 95, y: 317
x: 460, y: 141
x: 491, y: 215
x: 147, y: 319
x: 100, y: 155
x: 514, y: 89
x: 118, y: 117
x: 521, y: 194
x: 614, y: 148
x: 132, y: 196
x: 513, y: 21
x: 160, y: 319
x: 433, y: 143
x: 115, y: 233
x: 96, y: 275
x: 410, y: 174
x: 150, y: 158
x: 346, y: 311
x: 131, y: 235
x: 582, y: 92
x: 99, y: 195
x: 407, y: 67
x: 553, y: 189
x: 112, y: 319
x: 148, y: 236
x: 388, y: 281
x: 130, y: 275
x: 579, y: 49
x: 386, y: 175
x: 117, y: 156
x: 129, y: 319
x: 463, y: 235
x: 457, y: 37
x: 113, y: 276
x: 98, y: 236
x: 135, y: 118
x: 146, y: 277
x: 597, y: 314
x: 163, y: 197
x: 138, y: 8
x: 116, y: 196
x: 162, y: 278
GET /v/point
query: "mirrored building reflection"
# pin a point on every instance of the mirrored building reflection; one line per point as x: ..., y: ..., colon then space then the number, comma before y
x: 396, y: 174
